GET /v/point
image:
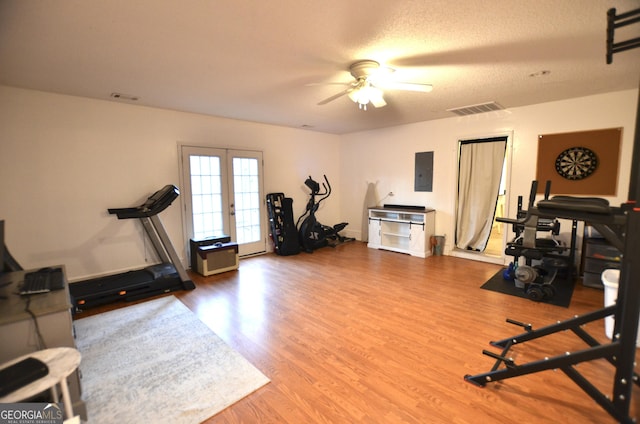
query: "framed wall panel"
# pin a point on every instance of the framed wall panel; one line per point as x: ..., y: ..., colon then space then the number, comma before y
x: 581, y: 163
x: 424, y: 171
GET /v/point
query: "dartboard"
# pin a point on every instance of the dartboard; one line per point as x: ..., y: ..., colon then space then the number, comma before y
x: 576, y: 163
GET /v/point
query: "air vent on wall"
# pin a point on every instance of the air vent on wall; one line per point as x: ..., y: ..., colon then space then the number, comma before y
x: 473, y: 109
x: 122, y: 96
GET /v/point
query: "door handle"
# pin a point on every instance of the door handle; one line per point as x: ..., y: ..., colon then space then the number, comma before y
x: 232, y: 209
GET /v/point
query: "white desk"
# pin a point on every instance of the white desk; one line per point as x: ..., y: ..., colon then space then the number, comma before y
x: 61, y: 361
x: 18, y: 331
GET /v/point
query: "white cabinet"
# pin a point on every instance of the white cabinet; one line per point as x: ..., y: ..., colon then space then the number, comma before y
x: 402, y: 230
x: 374, y: 232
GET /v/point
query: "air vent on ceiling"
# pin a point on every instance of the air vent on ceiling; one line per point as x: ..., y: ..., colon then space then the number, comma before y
x: 473, y: 109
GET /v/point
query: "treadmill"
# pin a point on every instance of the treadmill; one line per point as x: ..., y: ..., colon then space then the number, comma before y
x: 165, y: 277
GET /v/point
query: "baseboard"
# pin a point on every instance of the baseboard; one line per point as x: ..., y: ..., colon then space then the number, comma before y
x: 477, y: 256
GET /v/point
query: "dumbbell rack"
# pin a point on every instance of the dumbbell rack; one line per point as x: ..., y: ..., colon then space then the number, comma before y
x: 526, y: 241
x: 561, y: 259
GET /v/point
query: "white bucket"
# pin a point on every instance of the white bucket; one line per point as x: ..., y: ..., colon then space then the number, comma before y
x: 610, y: 278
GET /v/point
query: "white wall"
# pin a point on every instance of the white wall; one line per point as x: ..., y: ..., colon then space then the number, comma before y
x: 386, y: 157
x: 64, y: 160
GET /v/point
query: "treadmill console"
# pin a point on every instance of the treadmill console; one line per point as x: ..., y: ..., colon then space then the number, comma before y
x: 156, y: 203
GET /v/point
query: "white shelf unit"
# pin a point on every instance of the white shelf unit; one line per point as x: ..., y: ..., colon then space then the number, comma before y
x: 402, y: 230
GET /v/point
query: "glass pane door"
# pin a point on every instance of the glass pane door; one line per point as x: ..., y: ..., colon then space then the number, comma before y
x: 222, y: 195
x: 247, y: 208
x: 206, y: 196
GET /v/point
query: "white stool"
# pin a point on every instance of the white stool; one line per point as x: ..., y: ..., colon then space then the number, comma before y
x: 61, y: 361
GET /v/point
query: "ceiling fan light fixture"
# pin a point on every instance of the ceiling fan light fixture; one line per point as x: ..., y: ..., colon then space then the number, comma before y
x: 370, y: 80
x: 367, y: 94
x: 354, y: 94
x: 363, y: 98
x: 375, y: 97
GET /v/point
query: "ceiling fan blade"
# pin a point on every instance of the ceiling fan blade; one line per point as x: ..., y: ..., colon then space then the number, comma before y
x: 382, y: 72
x: 335, y: 96
x: 315, y: 84
x: 406, y: 86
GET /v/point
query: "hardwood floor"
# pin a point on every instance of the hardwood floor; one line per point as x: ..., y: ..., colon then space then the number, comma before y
x: 356, y: 335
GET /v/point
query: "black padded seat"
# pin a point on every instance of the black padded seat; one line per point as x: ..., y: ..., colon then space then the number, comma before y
x: 583, y: 204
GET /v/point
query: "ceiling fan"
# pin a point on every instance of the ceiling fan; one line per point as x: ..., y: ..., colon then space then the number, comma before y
x: 370, y: 80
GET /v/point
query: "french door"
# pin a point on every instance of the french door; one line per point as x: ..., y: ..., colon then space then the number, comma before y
x: 480, y: 166
x: 223, y: 194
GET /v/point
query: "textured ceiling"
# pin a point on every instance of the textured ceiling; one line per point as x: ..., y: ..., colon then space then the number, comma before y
x: 260, y: 60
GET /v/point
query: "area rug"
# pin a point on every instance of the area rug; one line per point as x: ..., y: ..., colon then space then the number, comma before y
x: 157, y: 362
x: 564, y: 289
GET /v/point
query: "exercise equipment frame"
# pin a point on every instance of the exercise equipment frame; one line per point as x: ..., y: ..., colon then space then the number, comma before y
x: 152, y: 280
x: 620, y: 227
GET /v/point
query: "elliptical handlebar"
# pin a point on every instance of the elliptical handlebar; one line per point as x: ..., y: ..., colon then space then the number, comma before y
x: 327, y: 189
x: 315, y: 187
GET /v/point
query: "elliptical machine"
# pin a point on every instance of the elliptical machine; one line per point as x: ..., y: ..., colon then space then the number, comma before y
x: 312, y: 234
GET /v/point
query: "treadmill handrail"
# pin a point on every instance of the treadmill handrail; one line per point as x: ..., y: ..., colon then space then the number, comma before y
x: 156, y: 203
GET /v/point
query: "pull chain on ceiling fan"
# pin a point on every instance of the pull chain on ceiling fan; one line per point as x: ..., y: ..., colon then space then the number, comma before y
x: 371, y: 79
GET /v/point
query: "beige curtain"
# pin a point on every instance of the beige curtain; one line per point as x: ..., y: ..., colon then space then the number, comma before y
x: 481, y: 163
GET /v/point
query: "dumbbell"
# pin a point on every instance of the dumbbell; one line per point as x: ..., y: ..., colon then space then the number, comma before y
x: 539, y: 292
